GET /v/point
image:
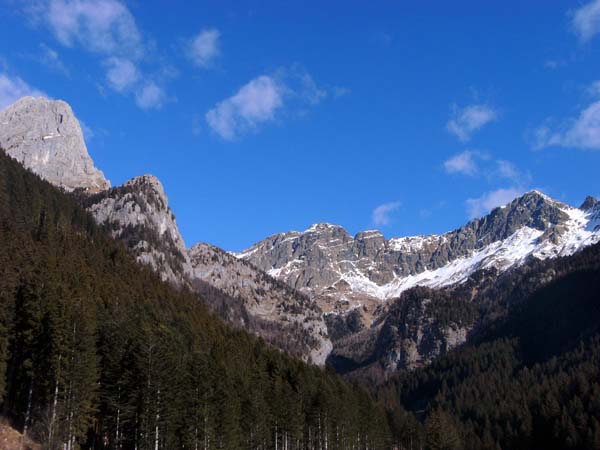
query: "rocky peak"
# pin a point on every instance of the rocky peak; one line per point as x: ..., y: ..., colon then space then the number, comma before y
x: 45, y: 136
x: 138, y: 212
x: 342, y: 272
x: 325, y: 228
x: 149, y: 181
x: 589, y: 203
x: 533, y: 209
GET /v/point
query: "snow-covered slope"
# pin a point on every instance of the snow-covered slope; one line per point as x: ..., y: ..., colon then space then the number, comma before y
x: 343, y: 272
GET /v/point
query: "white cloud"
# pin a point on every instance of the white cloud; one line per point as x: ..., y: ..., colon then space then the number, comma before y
x: 307, y: 89
x: 255, y: 103
x: 477, y: 207
x: 99, y: 26
x: 262, y: 99
x: 150, y: 96
x: 109, y: 29
x: 121, y: 73
x: 476, y: 163
x: 205, y: 47
x: 463, y: 163
x: 13, y: 88
x: 466, y: 121
x: 381, y: 214
x: 586, y: 21
x: 582, y: 132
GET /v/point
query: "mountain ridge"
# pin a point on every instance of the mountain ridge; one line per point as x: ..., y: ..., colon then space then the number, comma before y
x: 326, y: 260
x: 321, y: 282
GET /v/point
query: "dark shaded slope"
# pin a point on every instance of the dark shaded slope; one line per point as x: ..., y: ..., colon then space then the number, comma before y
x: 97, y: 352
x: 529, y: 380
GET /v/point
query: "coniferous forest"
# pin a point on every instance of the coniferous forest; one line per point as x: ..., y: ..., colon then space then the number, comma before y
x: 530, y: 380
x: 97, y: 352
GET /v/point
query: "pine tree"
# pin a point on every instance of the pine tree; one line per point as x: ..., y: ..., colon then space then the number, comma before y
x: 440, y: 432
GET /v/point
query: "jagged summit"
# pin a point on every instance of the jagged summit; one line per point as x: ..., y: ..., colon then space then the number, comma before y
x: 148, y: 180
x: 45, y: 136
x: 343, y: 272
x: 323, y: 226
x: 589, y: 203
x: 139, y: 213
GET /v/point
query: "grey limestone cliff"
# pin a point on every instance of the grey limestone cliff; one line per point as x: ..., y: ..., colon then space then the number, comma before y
x: 45, y: 137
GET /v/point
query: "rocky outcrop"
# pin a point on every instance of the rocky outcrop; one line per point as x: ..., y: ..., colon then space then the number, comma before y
x: 418, y: 329
x: 138, y: 213
x: 322, y: 292
x: 410, y: 332
x: 46, y: 138
x: 265, y: 299
x: 343, y: 272
x: 589, y: 203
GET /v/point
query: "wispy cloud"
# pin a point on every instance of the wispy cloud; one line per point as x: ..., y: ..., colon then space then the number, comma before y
x: 477, y: 207
x: 204, y: 48
x: 581, y: 132
x: 106, y: 28
x: 466, y: 121
x: 506, y: 169
x: 585, y: 21
x: 13, y: 88
x: 260, y: 101
x: 476, y: 163
x: 150, y: 96
x: 51, y: 59
x: 121, y: 73
x: 482, y: 164
x: 462, y: 163
x: 99, y: 26
x: 254, y: 104
x: 382, y: 214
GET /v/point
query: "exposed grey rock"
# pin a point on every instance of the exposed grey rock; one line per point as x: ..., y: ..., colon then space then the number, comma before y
x: 335, y: 268
x: 416, y: 336
x: 46, y: 138
x: 138, y: 213
x: 264, y: 297
x: 411, y: 332
x: 589, y: 203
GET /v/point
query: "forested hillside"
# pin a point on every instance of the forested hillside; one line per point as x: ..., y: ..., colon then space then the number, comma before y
x: 529, y: 380
x: 97, y: 352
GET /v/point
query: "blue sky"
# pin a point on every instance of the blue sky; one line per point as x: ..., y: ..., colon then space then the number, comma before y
x: 260, y: 117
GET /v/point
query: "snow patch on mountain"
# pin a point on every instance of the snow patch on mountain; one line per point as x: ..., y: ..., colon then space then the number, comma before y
x: 581, y: 230
x: 326, y: 262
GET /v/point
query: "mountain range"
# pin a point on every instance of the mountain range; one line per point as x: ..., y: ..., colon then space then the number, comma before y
x: 320, y: 294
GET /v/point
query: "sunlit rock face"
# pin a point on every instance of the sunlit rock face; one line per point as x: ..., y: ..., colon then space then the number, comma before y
x: 45, y: 136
